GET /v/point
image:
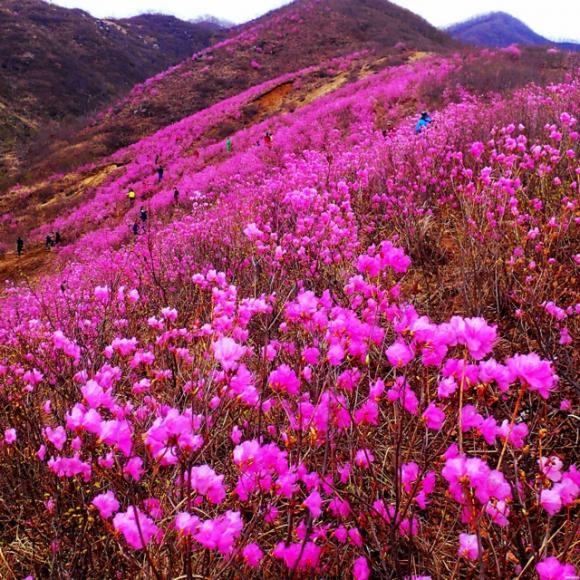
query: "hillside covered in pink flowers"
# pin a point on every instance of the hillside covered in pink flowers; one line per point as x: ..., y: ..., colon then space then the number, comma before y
x: 348, y: 351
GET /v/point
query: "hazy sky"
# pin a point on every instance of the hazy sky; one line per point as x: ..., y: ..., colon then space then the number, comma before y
x: 552, y: 18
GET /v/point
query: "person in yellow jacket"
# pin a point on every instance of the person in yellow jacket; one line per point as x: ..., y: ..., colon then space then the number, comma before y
x: 131, y: 195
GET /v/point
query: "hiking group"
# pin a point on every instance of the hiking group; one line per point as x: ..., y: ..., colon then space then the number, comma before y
x: 55, y: 239
x: 52, y: 240
x: 143, y: 218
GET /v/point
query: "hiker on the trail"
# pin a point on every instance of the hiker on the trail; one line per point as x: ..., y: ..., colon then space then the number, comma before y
x: 131, y: 196
x: 57, y: 238
x: 136, y: 228
x: 384, y: 133
x: 268, y: 138
x: 229, y: 146
x: 176, y: 195
x: 160, y: 171
x: 423, y: 122
x: 143, y: 215
x: 49, y: 242
x: 19, y: 246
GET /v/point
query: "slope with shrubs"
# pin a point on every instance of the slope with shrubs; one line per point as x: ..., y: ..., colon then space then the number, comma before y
x: 489, y: 72
x: 278, y: 43
x: 57, y: 63
x: 345, y: 353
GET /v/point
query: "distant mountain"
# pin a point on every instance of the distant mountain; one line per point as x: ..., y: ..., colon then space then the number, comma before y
x: 301, y: 34
x: 498, y: 30
x: 58, y: 63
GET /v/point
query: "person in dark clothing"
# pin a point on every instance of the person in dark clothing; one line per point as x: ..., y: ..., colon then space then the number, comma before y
x: 160, y: 172
x: 57, y: 238
x: 176, y: 195
x: 136, y: 228
x: 143, y: 215
x: 49, y: 242
x: 19, y: 246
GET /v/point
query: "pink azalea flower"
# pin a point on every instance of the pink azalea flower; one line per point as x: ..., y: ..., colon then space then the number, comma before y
x: 488, y: 429
x: 490, y: 370
x: 551, y: 467
x: 298, y: 556
x: 56, y: 436
x: 341, y: 534
x: 551, y: 500
x: 117, y: 433
x: 534, y: 372
x: 355, y: 537
x: 516, y: 434
x: 434, y: 417
x: 186, y: 524
x: 102, y: 293
x: 70, y: 467
x: 95, y: 395
x: 137, y: 528
x: 284, y: 379
x: 106, y: 503
x: 400, y: 354
x: 569, y: 487
x: 228, y: 352
x: 205, y: 481
x: 551, y: 569
x: 169, y: 314
x: 478, y: 336
x: 446, y: 388
x: 134, y: 468
x: 314, y: 502
x: 402, y: 391
x: 565, y: 405
x: 470, y: 418
x: 468, y: 546
x: 153, y: 507
x: 335, y: 354
x: 220, y: 533
x: 477, y: 149
x: 409, y: 474
x: 363, y: 458
x: 9, y: 436
x: 360, y: 569
x: 367, y: 414
x: 252, y: 555
x: 498, y: 512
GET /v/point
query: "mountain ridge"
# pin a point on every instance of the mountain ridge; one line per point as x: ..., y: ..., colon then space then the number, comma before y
x: 58, y: 63
x: 500, y: 30
x: 268, y: 47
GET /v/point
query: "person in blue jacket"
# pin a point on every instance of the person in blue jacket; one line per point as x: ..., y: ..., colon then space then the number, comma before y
x: 423, y: 122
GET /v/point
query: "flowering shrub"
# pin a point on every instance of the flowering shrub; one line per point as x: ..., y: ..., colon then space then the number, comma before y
x: 347, y: 354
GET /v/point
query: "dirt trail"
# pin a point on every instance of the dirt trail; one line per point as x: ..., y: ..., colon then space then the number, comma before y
x: 33, y: 262
x: 272, y: 100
